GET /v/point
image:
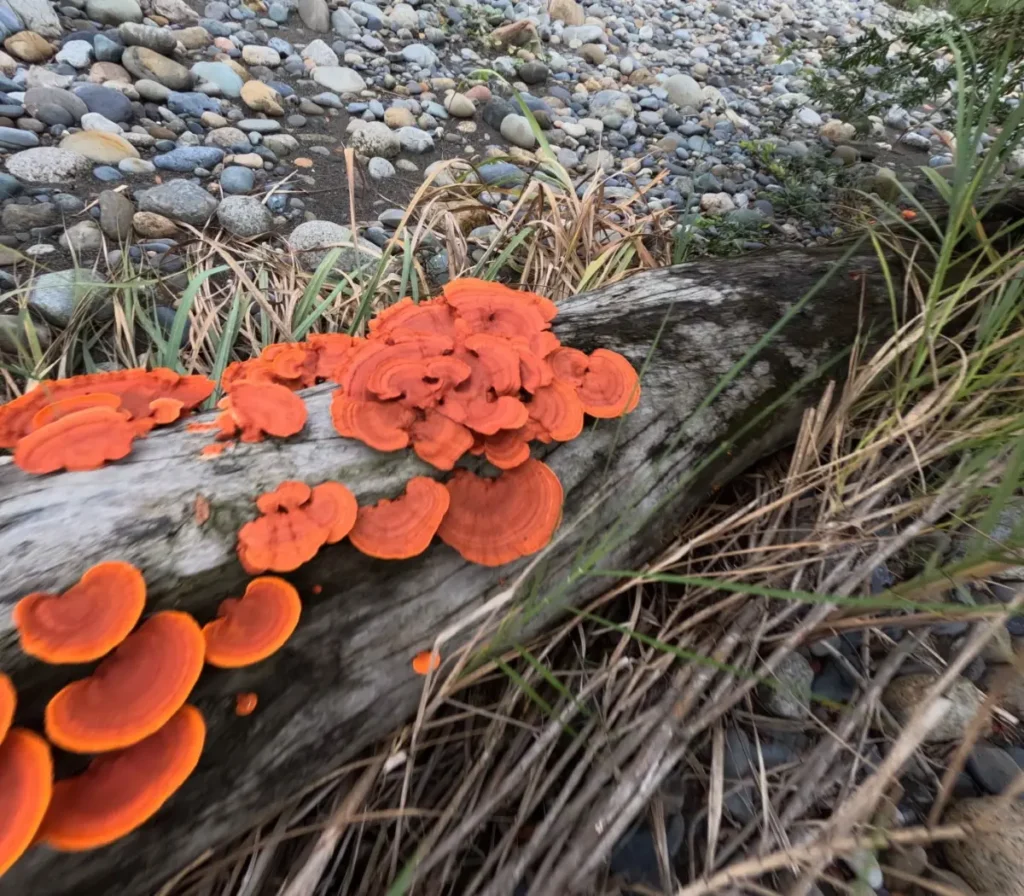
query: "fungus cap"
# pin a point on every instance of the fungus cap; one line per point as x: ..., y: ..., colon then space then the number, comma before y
x: 402, y: 527
x: 252, y: 627
x: 557, y: 410
x: 610, y: 387
x: 495, y: 309
x: 120, y: 791
x: 381, y: 425
x: 83, y: 440
x: 134, y: 691
x: 136, y: 388
x: 269, y: 408
x: 507, y: 449
x: 88, y: 620
x: 65, y: 406
x: 332, y: 507
x: 8, y: 703
x: 26, y: 785
x: 287, y: 496
x: 495, y: 521
x: 439, y: 441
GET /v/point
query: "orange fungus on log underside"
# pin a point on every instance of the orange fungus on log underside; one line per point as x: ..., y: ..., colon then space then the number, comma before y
x: 88, y: 620
x: 26, y: 785
x: 8, y: 703
x: 381, y: 425
x: 134, y: 691
x: 83, y: 440
x: 252, y: 627
x: 610, y: 387
x: 403, y: 527
x: 120, y: 791
x: 496, y: 521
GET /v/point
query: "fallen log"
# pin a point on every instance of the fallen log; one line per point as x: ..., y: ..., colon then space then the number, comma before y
x: 344, y: 679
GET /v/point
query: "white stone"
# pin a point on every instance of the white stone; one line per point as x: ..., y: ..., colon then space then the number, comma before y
x: 684, y: 92
x: 338, y: 78
x: 318, y: 53
x: 93, y: 121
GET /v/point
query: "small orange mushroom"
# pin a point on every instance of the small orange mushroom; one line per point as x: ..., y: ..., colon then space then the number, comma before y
x: 495, y: 309
x: 495, y: 521
x: 332, y: 351
x: 8, y: 703
x: 246, y: 703
x: 426, y: 661
x: 88, y: 620
x: 252, y: 627
x: 507, y: 449
x: 26, y: 785
x: 83, y: 440
x: 165, y: 410
x: 120, y: 791
x: 266, y: 408
x: 610, y: 387
x: 280, y: 541
x: 134, y: 691
x: 403, y: 527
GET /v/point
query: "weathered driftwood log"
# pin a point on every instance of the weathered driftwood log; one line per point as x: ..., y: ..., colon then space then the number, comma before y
x: 344, y: 679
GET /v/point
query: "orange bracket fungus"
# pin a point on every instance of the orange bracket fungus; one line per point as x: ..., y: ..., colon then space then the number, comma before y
x: 8, y: 703
x: 134, y: 691
x: 252, y: 627
x: 255, y: 409
x: 296, y: 522
x: 404, y: 527
x: 475, y: 370
x: 26, y: 784
x: 83, y: 440
x: 120, y: 791
x: 135, y: 389
x: 88, y: 620
x: 495, y: 521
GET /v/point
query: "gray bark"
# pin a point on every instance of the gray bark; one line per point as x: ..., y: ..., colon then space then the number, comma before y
x: 344, y: 679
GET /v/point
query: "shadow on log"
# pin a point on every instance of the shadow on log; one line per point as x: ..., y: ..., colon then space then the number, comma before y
x: 344, y: 679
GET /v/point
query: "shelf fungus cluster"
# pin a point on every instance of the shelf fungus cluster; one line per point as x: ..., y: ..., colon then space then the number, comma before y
x: 82, y: 422
x: 476, y: 371
x: 130, y: 714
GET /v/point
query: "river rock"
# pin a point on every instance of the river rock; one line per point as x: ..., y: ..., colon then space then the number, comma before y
x: 376, y: 139
x: 113, y: 12
x: 611, y: 102
x: 414, y: 140
x: 314, y: 239
x: 567, y: 11
x: 256, y: 55
x: 339, y: 78
x: 38, y: 16
x: 991, y: 862
x: 145, y: 63
x: 244, y: 216
x: 59, y: 294
x: 516, y: 129
x: 905, y: 694
x: 316, y: 52
x: 236, y: 180
x: 187, y: 158
x: 315, y: 15
x: 93, y: 121
x: 460, y: 105
x: 177, y: 11
x: 180, y: 200
x: 105, y: 101
x: 83, y: 238
x: 116, y: 212
x: 29, y: 46
x: 76, y: 53
x: 159, y: 40
x: 262, y: 98
x: 787, y: 691
x: 100, y: 146
x: 684, y: 92
x: 13, y: 138
x: 153, y: 226
x: 226, y: 79
x: 38, y: 98
x: 47, y: 165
